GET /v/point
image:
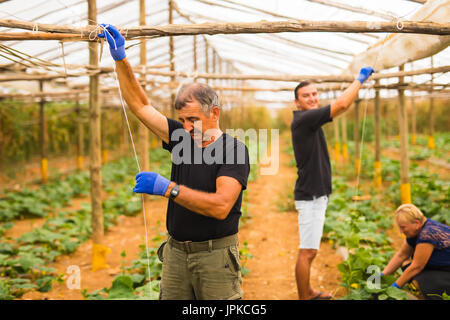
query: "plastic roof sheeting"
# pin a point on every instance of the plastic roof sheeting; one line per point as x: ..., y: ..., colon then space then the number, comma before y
x: 285, y: 53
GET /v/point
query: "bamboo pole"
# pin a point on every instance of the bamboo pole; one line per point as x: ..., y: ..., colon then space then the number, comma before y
x: 195, y: 54
x: 377, y: 164
x: 143, y: 130
x: 405, y: 188
x: 431, y: 115
x: 413, y: 120
x: 43, y: 139
x: 99, y: 251
x: 344, y: 137
x: 206, y: 60
x: 85, y: 33
x: 356, y: 137
x: 172, y: 61
x: 235, y: 76
x: 337, y: 139
x: 80, y: 136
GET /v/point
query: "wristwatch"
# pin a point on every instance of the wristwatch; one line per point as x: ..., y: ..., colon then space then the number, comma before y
x: 174, y: 192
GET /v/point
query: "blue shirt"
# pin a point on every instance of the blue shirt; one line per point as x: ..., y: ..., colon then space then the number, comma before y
x: 438, y: 234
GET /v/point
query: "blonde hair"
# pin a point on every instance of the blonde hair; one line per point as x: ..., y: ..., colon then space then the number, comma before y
x: 409, y: 213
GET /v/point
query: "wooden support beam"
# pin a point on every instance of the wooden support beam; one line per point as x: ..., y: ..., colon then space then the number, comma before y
x: 405, y: 188
x: 377, y: 164
x: 356, y: 137
x: 99, y: 251
x: 143, y: 130
x: 86, y: 33
x: 43, y: 136
x: 172, y: 61
x: 80, y: 135
x: 431, y: 114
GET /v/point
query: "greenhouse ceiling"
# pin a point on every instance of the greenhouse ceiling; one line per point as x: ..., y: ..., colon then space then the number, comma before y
x: 293, y: 53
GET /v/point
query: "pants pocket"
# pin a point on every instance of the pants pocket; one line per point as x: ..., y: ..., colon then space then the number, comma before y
x: 235, y: 261
x: 160, y: 251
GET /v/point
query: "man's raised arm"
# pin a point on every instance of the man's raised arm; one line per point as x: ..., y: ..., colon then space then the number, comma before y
x: 132, y: 91
x: 341, y: 104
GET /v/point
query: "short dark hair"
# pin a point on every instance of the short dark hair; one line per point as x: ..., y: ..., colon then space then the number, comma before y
x: 300, y: 85
x: 201, y: 92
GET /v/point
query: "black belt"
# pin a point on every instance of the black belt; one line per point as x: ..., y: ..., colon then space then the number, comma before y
x: 208, y: 245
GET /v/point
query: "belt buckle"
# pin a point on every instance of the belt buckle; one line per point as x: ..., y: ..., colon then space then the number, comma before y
x: 186, y: 245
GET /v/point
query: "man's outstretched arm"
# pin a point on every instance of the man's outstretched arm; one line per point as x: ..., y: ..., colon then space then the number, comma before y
x: 341, y: 104
x: 132, y: 92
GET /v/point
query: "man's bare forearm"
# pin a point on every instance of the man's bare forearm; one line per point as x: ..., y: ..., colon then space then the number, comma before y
x: 132, y: 91
x: 212, y: 205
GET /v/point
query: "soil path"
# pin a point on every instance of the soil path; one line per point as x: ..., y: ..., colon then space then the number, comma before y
x: 272, y: 237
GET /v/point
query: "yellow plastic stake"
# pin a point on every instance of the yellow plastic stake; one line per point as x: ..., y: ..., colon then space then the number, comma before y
x: 44, y: 170
x: 377, y: 177
x: 405, y: 193
x: 345, y: 152
x: 99, y: 253
x: 337, y: 151
x: 357, y: 165
x: 431, y: 142
x: 413, y: 139
x: 80, y: 162
x: 104, y: 156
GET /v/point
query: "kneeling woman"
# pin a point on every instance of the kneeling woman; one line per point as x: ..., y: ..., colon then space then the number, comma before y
x: 428, y: 243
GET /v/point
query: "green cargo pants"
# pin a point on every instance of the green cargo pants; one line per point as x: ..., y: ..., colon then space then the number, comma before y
x: 208, y: 270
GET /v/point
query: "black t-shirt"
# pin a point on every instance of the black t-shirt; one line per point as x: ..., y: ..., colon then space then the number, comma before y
x: 311, y: 153
x: 198, y: 168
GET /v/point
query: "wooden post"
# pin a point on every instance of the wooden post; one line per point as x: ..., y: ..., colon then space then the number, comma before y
x: 413, y: 120
x: 206, y: 59
x: 344, y: 137
x: 99, y: 250
x: 195, y: 55
x: 43, y: 132
x: 356, y: 136
x: 377, y: 164
x: 405, y: 188
x: 172, y: 62
x: 431, y: 114
x: 80, y: 136
x: 337, y: 139
x: 143, y: 130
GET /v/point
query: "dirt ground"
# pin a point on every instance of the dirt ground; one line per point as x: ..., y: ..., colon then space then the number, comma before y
x: 271, y: 236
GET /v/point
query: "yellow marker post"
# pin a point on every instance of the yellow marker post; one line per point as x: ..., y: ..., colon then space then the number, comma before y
x: 431, y: 142
x: 99, y: 253
x: 413, y: 139
x: 337, y: 151
x: 405, y: 193
x: 104, y: 156
x: 44, y: 170
x: 377, y: 176
x: 80, y: 162
x: 357, y: 165
x: 345, y: 152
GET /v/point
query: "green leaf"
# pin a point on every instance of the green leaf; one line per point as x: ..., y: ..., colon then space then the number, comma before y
x: 396, y: 293
x: 122, y: 288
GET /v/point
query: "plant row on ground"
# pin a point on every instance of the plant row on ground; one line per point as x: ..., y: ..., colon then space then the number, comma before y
x: 24, y: 260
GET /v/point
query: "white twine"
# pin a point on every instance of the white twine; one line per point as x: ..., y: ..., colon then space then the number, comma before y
x: 135, y: 156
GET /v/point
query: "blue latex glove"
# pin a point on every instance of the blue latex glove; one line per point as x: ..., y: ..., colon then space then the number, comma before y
x: 395, y: 285
x: 151, y: 183
x: 364, y: 74
x: 115, y: 40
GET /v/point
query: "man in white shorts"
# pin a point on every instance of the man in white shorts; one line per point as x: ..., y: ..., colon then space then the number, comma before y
x: 313, y: 185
